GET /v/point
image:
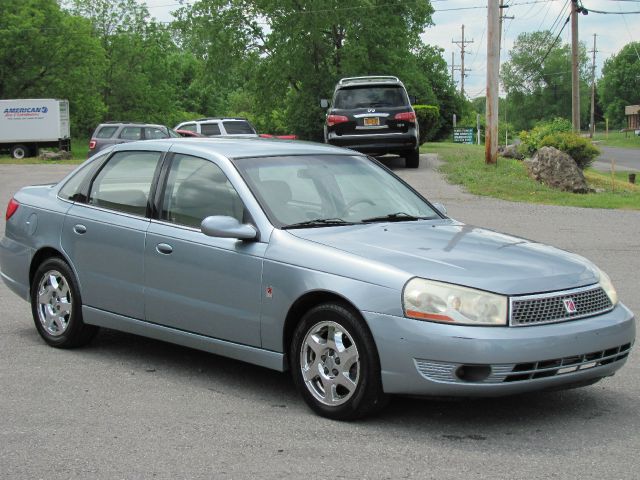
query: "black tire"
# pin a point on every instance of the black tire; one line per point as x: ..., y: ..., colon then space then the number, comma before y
x: 20, y: 151
x: 412, y: 158
x: 364, y: 395
x: 54, y: 291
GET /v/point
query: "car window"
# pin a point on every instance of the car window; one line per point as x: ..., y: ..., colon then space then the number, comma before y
x: 106, y: 132
x: 124, y: 183
x: 151, y: 133
x: 363, y: 97
x: 131, y: 133
x: 196, y: 189
x: 237, y: 127
x: 209, y: 129
x: 188, y: 126
x: 307, y: 187
x: 71, y: 189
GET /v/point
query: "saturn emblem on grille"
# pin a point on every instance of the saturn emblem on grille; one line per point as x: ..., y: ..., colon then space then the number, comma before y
x: 569, y: 305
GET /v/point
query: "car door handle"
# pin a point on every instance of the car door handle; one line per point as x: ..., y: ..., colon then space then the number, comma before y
x: 80, y: 229
x: 164, y: 248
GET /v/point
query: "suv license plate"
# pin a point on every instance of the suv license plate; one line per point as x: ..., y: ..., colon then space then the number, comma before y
x: 371, y: 121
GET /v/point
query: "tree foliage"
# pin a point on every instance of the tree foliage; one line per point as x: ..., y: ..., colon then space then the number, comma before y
x: 541, y: 90
x: 618, y: 86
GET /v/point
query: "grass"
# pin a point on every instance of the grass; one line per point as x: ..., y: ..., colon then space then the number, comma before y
x: 79, y: 149
x: 464, y: 165
x: 617, y: 139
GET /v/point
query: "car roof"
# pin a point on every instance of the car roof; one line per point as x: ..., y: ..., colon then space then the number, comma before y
x: 243, y: 147
x: 131, y: 124
x: 368, y: 81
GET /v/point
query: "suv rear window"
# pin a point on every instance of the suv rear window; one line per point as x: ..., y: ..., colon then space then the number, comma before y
x: 106, y: 132
x: 364, y: 97
x: 209, y: 129
x: 238, y: 127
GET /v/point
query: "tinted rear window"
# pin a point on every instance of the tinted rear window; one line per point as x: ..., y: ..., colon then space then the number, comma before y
x: 210, y: 129
x: 238, y: 127
x: 365, y: 97
x: 106, y: 132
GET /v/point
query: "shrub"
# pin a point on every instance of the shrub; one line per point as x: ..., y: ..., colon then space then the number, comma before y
x: 578, y: 148
x: 428, y: 116
x: 531, y: 140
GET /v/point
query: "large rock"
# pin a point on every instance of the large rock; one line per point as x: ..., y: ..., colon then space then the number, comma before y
x: 60, y: 155
x: 557, y: 170
x: 510, y: 151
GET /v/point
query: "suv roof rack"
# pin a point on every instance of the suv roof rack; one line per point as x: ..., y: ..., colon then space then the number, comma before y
x: 379, y: 78
x: 218, y: 118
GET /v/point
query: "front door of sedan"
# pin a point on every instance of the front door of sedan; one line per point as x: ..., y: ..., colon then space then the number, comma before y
x: 195, y: 283
x: 104, y: 236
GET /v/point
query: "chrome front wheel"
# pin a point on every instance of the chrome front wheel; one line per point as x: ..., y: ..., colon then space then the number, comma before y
x: 330, y: 363
x: 335, y: 364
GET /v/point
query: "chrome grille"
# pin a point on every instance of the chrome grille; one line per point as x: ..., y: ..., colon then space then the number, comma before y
x: 514, y: 372
x: 550, y: 308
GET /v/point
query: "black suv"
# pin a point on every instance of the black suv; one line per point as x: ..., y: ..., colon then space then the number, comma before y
x: 373, y: 115
x: 111, y: 133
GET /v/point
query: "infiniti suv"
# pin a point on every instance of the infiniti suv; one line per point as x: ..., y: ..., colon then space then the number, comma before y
x: 373, y: 115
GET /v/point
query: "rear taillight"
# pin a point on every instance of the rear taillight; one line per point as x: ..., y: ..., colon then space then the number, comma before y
x: 11, y: 208
x: 405, y: 117
x: 92, y: 144
x: 335, y: 119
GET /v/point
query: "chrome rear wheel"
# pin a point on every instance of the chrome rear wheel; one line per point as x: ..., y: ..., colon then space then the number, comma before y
x: 55, y: 303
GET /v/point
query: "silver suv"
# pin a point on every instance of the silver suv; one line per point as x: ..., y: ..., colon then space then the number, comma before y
x: 220, y: 127
x: 111, y: 133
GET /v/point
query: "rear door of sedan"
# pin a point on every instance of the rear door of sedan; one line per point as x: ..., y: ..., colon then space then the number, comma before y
x: 196, y: 283
x: 104, y: 233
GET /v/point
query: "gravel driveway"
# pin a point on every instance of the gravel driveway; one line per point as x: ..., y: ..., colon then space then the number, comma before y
x: 128, y: 407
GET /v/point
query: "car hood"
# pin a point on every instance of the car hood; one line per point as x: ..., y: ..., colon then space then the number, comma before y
x: 452, y: 252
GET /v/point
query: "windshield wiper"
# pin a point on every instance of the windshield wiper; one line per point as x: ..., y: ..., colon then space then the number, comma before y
x: 395, y: 217
x: 318, y: 222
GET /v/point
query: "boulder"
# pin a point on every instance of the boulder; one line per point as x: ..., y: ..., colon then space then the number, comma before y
x: 557, y: 170
x: 60, y: 155
x: 510, y: 151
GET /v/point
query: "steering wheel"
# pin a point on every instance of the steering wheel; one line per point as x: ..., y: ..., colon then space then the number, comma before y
x: 353, y: 203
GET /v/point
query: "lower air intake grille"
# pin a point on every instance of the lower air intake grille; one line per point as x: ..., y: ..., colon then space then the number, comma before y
x: 516, y: 372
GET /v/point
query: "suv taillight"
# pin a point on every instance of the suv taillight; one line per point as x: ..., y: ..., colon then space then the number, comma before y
x: 335, y: 119
x: 11, y: 209
x: 92, y: 144
x: 405, y: 117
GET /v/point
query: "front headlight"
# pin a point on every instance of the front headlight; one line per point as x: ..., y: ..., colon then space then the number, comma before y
x: 607, y: 286
x: 444, y: 302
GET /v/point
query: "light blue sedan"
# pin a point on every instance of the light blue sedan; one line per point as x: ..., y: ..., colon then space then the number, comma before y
x: 308, y: 258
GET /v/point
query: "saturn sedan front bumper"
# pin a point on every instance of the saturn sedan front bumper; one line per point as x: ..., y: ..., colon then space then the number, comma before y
x: 436, y: 359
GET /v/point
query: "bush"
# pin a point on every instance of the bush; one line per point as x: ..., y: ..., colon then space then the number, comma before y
x: 428, y: 116
x: 578, y: 148
x: 531, y: 140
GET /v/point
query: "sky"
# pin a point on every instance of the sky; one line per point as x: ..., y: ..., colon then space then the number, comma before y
x: 613, y: 30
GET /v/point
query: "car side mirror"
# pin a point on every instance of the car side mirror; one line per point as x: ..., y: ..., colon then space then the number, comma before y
x: 441, y: 208
x: 324, y: 103
x: 227, y: 227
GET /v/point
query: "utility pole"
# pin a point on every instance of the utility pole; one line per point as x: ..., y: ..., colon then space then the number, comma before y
x: 493, y: 73
x: 575, y: 79
x: 462, y: 44
x: 592, y: 125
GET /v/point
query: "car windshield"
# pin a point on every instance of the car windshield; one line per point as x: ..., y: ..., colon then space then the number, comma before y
x: 364, y: 97
x: 330, y: 190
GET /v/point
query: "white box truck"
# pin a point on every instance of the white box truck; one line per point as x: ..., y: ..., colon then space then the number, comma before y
x: 28, y: 124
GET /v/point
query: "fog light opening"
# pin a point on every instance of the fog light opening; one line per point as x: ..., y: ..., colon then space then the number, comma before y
x: 473, y: 373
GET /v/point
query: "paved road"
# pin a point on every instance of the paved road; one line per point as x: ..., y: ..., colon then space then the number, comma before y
x: 625, y: 159
x: 127, y: 407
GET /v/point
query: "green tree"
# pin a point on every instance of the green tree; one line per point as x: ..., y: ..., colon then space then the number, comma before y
x: 537, y: 79
x: 46, y: 52
x: 618, y: 86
